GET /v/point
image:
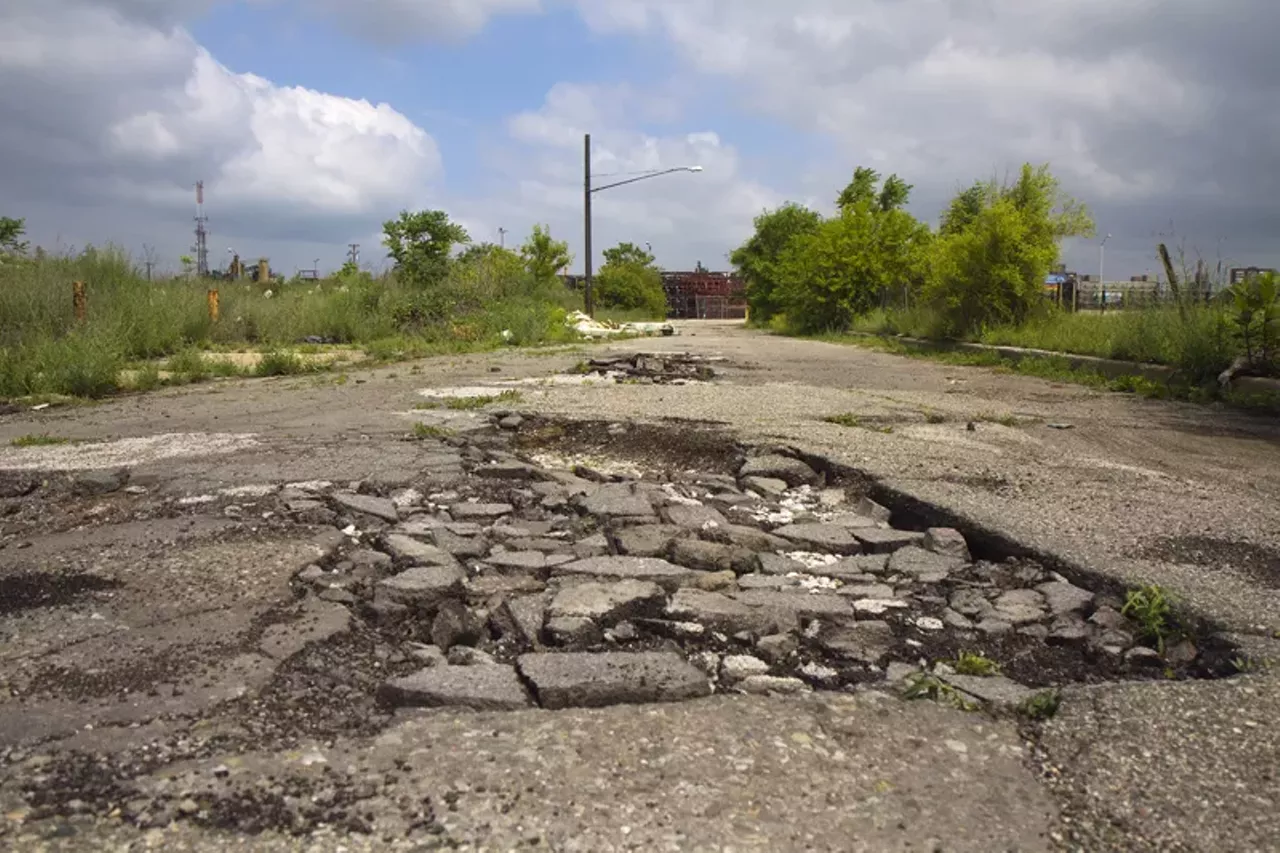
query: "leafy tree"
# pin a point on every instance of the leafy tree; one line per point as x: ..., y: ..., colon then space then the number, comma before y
x: 894, y: 194
x: 627, y: 253
x: 851, y: 264
x: 965, y: 207
x: 757, y: 259
x: 421, y: 243
x: 543, y: 256
x: 861, y: 188
x: 629, y: 281
x: 999, y: 243
x: 11, y: 231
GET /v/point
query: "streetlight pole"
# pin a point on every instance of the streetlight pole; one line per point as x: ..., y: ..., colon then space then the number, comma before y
x: 1102, y: 259
x: 588, y: 301
x: 587, y: 192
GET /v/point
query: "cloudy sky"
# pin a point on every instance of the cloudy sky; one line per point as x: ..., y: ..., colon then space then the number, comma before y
x: 312, y: 121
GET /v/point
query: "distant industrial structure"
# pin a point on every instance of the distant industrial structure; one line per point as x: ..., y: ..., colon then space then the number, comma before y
x: 697, y: 294
x: 201, y: 248
x: 1242, y: 274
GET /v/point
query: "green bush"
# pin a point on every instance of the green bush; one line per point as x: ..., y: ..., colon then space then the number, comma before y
x: 630, y: 286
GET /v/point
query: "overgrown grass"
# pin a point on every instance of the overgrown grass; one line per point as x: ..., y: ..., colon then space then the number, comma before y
x: 849, y: 419
x: 131, y: 322
x: 972, y: 663
x: 39, y: 441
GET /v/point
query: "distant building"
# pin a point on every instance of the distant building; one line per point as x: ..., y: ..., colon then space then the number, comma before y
x: 1239, y: 274
x: 704, y: 295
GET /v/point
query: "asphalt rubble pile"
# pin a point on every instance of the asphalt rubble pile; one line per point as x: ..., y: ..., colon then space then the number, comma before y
x: 653, y: 368
x: 497, y: 584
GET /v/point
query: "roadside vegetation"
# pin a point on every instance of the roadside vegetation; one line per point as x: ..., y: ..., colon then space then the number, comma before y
x: 979, y: 276
x: 443, y: 294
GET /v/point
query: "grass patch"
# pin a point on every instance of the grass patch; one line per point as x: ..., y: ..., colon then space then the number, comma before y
x: 972, y: 663
x: 283, y: 363
x: 852, y: 421
x: 467, y: 404
x: 431, y: 431
x: 1042, y: 706
x: 39, y: 441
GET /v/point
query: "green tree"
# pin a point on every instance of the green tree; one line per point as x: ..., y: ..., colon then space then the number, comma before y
x: 543, y: 256
x: 894, y: 194
x: 998, y: 244
x: 757, y: 259
x: 11, y: 231
x: 421, y: 243
x: 851, y: 264
x: 861, y: 188
x: 629, y: 281
x: 627, y: 253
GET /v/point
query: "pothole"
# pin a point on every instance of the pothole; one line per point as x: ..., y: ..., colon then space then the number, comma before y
x: 1256, y: 562
x: 31, y: 590
x: 677, y: 564
x: 652, y: 368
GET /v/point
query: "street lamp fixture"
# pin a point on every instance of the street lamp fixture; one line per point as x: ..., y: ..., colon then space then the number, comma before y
x: 589, y: 191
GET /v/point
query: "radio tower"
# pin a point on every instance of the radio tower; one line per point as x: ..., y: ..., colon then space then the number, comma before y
x: 201, y: 247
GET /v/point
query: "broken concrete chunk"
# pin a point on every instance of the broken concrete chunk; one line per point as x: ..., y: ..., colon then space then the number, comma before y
x: 410, y: 550
x: 924, y: 566
x: 866, y: 590
x: 573, y: 631
x: 828, y: 538
x: 534, y: 562
x: 693, y: 517
x: 712, y: 556
x: 737, y: 667
x: 745, y: 537
x: 486, y: 585
x: 587, y: 680
x: 864, y: 642
x: 460, y: 546
x: 1068, y: 630
x: 525, y: 617
x: 971, y: 602
x: 948, y: 542
x: 762, y: 685
x: 421, y: 586
x: 455, y: 625
x: 720, y: 612
x: 382, y: 508
x: 647, y: 540
x: 1019, y: 606
x: 508, y: 470
x: 791, y: 471
x: 765, y: 486
x: 482, y: 688
x: 797, y: 604
x: 609, y: 603
x: 479, y: 511
x: 995, y: 690
x: 1064, y: 598
x: 778, y: 564
x: 854, y: 567
x: 713, y: 581
x: 617, y: 500
x: 871, y: 509
x: 595, y: 545
x: 886, y: 541
x: 665, y: 574
x: 776, y: 648
x: 317, y: 621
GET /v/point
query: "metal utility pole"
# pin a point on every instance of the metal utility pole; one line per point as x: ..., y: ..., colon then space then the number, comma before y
x: 1102, y: 258
x: 201, y: 247
x: 588, y: 191
x: 502, y: 238
x: 586, y: 205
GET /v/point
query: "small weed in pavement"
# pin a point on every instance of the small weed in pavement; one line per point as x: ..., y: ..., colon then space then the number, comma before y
x: 39, y: 441
x: 925, y: 686
x: 280, y: 363
x: 1151, y: 608
x: 971, y: 663
x: 1042, y: 706
x: 935, y: 418
x: 1003, y: 420
x: 848, y: 419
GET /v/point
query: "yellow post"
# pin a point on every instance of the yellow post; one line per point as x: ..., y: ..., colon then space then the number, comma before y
x: 213, y: 305
x: 264, y: 271
x: 79, y: 300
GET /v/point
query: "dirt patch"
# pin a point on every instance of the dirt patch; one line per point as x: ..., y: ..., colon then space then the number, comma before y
x: 679, y: 446
x: 1257, y: 562
x: 32, y: 590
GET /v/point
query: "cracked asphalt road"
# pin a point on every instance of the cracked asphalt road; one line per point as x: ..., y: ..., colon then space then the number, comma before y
x: 1136, y: 492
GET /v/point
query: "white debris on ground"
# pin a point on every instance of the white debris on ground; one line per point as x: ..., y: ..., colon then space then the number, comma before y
x: 592, y: 328
x: 121, y: 453
x: 811, y: 560
x: 602, y: 464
